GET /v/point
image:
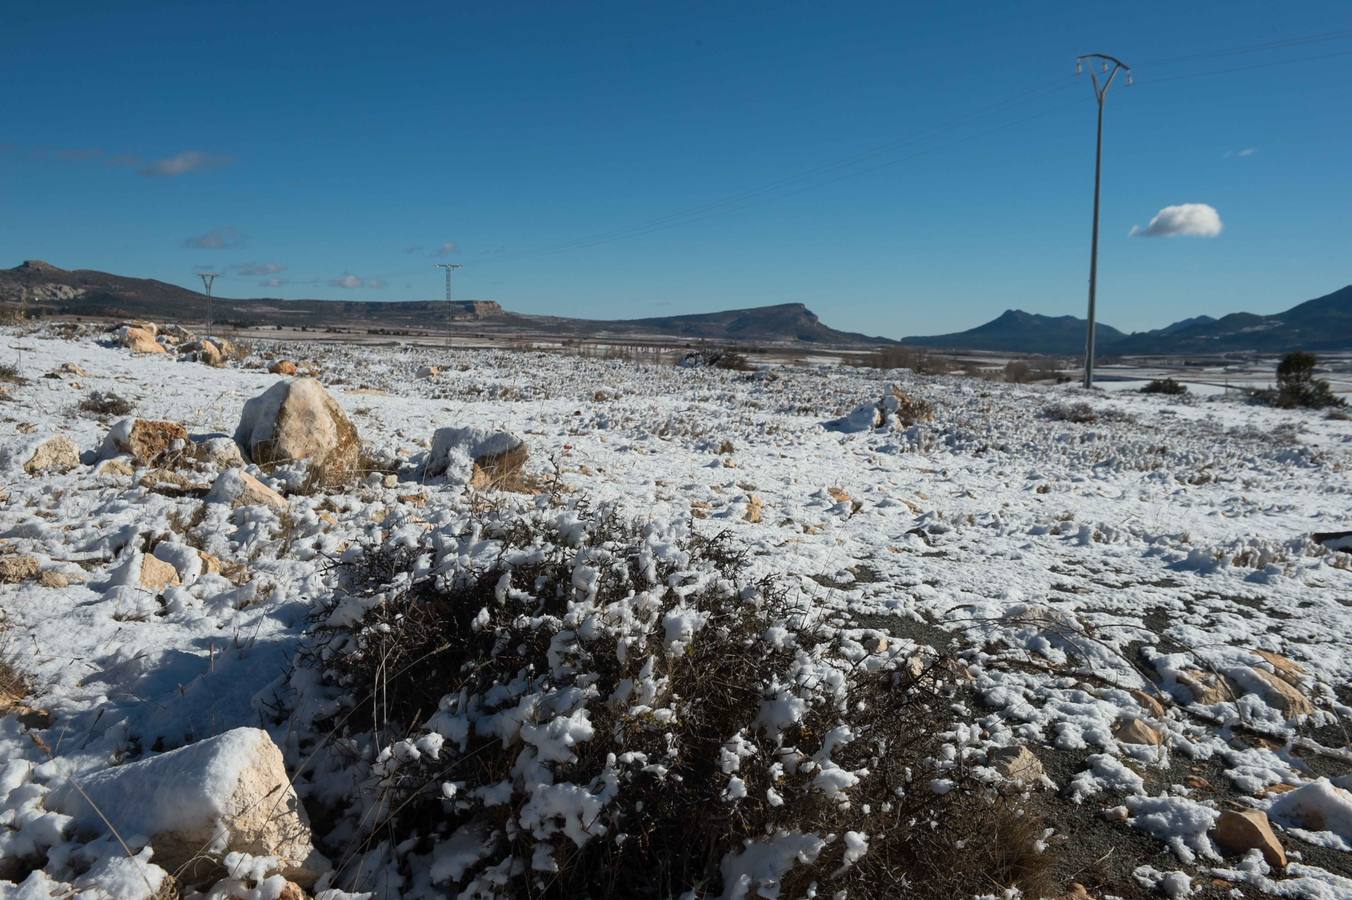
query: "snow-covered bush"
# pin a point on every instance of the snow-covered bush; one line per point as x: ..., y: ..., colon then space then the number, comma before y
x: 561, y: 702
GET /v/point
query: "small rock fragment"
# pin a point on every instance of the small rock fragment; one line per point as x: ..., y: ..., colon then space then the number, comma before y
x: 1016, y: 763
x: 157, y: 574
x: 1131, y: 730
x: 1245, y: 830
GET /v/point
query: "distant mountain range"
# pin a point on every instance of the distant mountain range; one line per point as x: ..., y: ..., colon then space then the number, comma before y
x: 84, y: 292
x: 1324, y: 323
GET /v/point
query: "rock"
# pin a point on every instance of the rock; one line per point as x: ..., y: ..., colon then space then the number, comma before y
x: 1076, y: 891
x: 70, y: 368
x: 755, y: 507
x: 223, y: 452
x: 1245, y: 830
x: 297, y: 419
x: 139, y: 340
x: 283, y: 367
x: 156, y: 574
x: 876, y: 643
x: 147, y: 441
x: 1131, y: 730
x: 117, y: 467
x: 1016, y: 763
x: 838, y: 494
x: 55, y: 454
x: 292, y: 891
x: 228, y: 793
x: 208, y: 353
x: 481, y: 458
x: 238, y: 488
x: 1149, y: 703
x: 1283, y: 695
x: 429, y: 371
x: 1287, y: 670
x: 1206, y: 687
x: 16, y: 568
x: 1319, y: 805
x: 210, y: 564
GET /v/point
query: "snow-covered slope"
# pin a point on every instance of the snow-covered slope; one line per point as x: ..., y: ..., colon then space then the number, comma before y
x: 1085, y: 571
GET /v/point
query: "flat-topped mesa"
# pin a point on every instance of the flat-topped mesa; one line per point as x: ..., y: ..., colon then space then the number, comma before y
x: 475, y: 309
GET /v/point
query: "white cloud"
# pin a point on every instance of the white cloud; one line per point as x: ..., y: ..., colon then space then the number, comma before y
x: 183, y: 163
x: 1247, y: 151
x: 348, y: 281
x: 272, y: 282
x: 253, y: 269
x: 1190, y: 219
x: 446, y: 249
x: 217, y: 239
x: 375, y: 282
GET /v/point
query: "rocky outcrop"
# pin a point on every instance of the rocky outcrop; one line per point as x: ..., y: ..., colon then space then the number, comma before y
x: 478, y: 457
x: 1243, y: 830
x: 298, y: 420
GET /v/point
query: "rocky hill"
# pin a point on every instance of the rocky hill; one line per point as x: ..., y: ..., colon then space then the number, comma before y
x: 82, y: 292
x: 1016, y: 331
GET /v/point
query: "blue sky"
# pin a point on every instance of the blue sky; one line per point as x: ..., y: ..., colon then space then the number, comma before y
x: 900, y: 168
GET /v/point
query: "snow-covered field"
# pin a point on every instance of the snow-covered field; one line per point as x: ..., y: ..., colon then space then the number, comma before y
x: 1106, y: 585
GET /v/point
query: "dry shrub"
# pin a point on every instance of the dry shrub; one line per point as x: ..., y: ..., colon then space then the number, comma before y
x: 919, y: 360
x: 665, y: 722
x: 9, y: 374
x: 13, y: 685
x: 109, y: 404
x: 1080, y: 412
x: 1166, y: 386
x: 911, y: 409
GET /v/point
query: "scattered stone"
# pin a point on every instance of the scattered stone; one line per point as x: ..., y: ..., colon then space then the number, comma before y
x: 1206, y: 687
x: 210, y: 564
x: 1149, y: 703
x: 221, y: 451
x: 755, y: 508
x: 1288, y: 670
x: 297, y: 419
x: 1131, y: 730
x: 283, y: 367
x: 1283, y: 695
x: 157, y: 574
x: 15, y: 568
x: 876, y: 643
x: 229, y: 793
x: 148, y: 441
x: 1245, y: 830
x: 1016, y: 763
x: 390, y: 480
x: 238, y: 488
x: 207, y: 352
x: 117, y: 467
x: 429, y: 371
x: 838, y: 494
x: 1076, y: 891
x: 70, y: 368
x: 481, y: 458
x: 55, y: 454
x: 139, y: 340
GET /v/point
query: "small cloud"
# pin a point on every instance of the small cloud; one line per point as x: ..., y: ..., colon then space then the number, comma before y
x: 255, y: 269
x: 1247, y: 151
x: 183, y: 163
x: 446, y: 249
x: 272, y: 282
x: 1188, y: 219
x: 222, y: 238
x: 375, y: 282
x: 348, y: 281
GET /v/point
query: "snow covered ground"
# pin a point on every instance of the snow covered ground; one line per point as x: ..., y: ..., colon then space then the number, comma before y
x: 1107, y: 583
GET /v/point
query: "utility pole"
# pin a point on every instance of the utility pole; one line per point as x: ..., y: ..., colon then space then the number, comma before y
x: 450, y: 312
x: 1109, y: 66
x: 208, y: 278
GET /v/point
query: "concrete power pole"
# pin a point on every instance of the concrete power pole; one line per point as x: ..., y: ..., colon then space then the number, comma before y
x: 1109, y: 67
x: 450, y: 312
x: 208, y: 278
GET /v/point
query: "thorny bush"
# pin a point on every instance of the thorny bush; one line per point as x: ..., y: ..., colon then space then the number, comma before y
x: 564, y: 703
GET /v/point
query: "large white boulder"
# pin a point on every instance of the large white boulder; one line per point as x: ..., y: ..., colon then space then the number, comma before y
x: 296, y: 419
x: 193, y: 805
